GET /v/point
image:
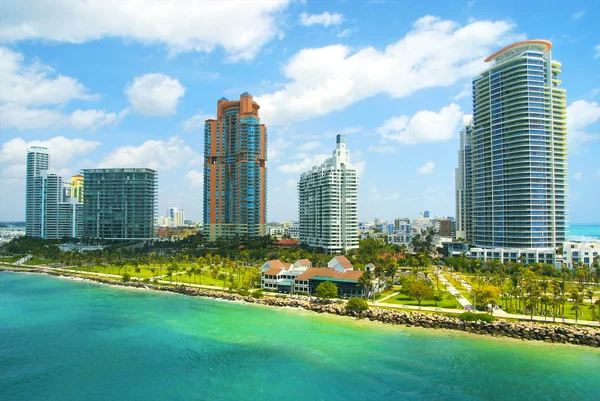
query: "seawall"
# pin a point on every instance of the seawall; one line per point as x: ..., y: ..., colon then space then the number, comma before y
x: 546, y: 332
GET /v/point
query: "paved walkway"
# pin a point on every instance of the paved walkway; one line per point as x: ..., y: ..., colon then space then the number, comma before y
x: 462, y: 281
x: 464, y: 302
x: 387, y: 297
x: 507, y: 315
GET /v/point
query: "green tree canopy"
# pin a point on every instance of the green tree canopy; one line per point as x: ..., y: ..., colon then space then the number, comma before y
x: 326, y: 290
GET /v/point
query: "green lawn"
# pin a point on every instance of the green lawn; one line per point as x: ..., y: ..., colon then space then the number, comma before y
x: 38, y: 261
x: 448, y: 301
x: 10, y: 259
x: 150, y: 272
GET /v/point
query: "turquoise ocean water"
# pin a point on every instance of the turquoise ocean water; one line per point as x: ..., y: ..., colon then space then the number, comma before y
x: 584, y: 232
x: 65, y: 340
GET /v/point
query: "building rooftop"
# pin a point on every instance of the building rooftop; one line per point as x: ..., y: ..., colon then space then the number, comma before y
x: 326, y: 272
x: 534, y: 44
x: 344, y: 262
x: 273, y: 271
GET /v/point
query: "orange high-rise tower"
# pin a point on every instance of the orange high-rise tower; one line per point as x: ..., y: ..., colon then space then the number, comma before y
x: 235, y: 172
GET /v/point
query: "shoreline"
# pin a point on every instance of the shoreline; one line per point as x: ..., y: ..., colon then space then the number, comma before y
x: 525, y: 331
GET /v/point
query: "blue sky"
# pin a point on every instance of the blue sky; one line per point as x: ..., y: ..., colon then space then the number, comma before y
x: 129, y: 83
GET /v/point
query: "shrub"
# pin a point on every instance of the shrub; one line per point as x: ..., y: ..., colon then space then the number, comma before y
x: 126, y: 277
x: 257, y: 294
x: 326, y: 290
x: 243, y: 292
x: 357, y: 305
x: 473, y: 317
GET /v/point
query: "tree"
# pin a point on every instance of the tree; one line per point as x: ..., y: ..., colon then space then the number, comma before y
x: 419, y: 290
x: 576, y: 304
x: 357, y: 305
x: 487, y: 294
x: 223, y: 277
x: 326, y: 290
x: 366, y: 281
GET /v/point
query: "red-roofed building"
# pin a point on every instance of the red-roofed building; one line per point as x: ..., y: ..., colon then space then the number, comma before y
x: 347, y: 281
x: 285, y: 243
x: 340, y: 263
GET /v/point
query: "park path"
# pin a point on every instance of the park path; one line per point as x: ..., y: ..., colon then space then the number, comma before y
x: 507, y: 315
x: 387, y: 297
x: 464, y: 302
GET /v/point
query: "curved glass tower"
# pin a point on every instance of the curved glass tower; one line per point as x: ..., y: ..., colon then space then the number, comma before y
x: 519, y: 150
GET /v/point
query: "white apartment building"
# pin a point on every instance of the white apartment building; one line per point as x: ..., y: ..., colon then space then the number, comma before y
x: 328, y: 203
x: 275, y: 231
x: 526, y: 256
x: 50, y: 212
x: 294, y: 230
x: 575, y: 253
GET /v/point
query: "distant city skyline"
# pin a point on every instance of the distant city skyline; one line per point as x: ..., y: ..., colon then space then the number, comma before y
x: 395, y: 80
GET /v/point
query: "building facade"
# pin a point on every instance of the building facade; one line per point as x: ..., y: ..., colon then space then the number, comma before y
x: 328, y: 203
x: 37, y: 161
x: 119, y: 203
x: 446, y: 229
x: 77, y: 187
x: 518, y: 147
x: 581, y: 253
x: 462, y: 177
x: 51, y: 212
x: 235, y: 172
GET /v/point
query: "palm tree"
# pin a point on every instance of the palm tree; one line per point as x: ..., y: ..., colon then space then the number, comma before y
x: 366, y: 281
x: 576, y: 304
x: 592, y: 307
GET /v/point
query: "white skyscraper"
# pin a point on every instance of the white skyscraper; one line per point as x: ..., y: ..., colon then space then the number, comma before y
x: 462, y: 178
x: 328, y: 203
x: 37, y: 161
x: 49, y: 213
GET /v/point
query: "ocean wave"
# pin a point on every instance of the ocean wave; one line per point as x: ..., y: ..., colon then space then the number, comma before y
x: 583, y: 238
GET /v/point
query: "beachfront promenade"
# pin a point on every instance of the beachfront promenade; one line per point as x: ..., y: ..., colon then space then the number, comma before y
x: 377, y: 304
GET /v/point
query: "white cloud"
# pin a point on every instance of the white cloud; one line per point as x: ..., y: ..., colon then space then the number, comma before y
x: 304, y: 165
x: 426, y: 168
x: 154, y: 94
x: 276, y: 147
x: 326, y: 19
x: 424, y: 126
x: 382, y: 149
x: 580, y: 115
x: 61, y: 150
x: 154, y: 154
x: 346, y: 32
x: 435, y: 53
x: 25, y: 88
x: 577, y: 15
x: 196, y: 122
x: 35, y: 84
x: 309, y: 146
x: 181, y: 25
x: 578, y: 176
x: 194, y: 179
x: 24, y: 118
x: 597, y: 48
x: 464, y: 92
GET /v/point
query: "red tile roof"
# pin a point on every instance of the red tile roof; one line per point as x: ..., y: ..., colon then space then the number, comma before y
x: 273, y: 271
x: 304, y: 262
x: 344, y: 262
x: 286, y: 242
x: 322, y: 271
x: 276, y: 263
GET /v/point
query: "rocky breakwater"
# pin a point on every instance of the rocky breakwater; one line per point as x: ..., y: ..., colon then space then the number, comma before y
x: 519, y: 330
